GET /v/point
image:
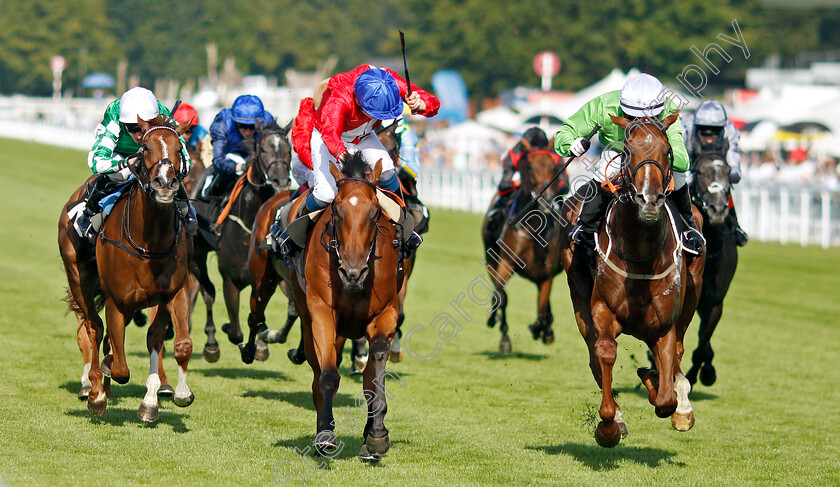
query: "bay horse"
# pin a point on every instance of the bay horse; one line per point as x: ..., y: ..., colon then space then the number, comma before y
x: 642, y: 285
x: 529, y: 248
x: 711, y: 192
x: 141, y: 260
x: 350, y: 288
x: 267, y: 174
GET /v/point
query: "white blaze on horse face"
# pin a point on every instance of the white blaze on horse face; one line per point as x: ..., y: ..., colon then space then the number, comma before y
x: 354, y: 200
x: 152, y: 386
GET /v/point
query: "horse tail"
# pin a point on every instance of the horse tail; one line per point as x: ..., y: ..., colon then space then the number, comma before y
x: 72, y: 305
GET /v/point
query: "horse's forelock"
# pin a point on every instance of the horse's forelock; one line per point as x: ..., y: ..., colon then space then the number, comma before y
x: 355, y: 166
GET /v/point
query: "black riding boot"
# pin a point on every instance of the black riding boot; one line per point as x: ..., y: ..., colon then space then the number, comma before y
x: 592, y: 212
x: 94, y: 193
x: 740, y: 235
x: 187, y: 212
x: 496, y: 214
x: 285, y: 246
x: 692, y: 239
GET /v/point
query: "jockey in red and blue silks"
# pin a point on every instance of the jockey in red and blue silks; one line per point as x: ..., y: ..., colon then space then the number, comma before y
x: 344, y: 118
x: 229, y: 129
x: 186, y: 114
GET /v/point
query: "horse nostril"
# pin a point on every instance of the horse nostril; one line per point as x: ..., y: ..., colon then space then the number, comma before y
x: 660, y: 198
x: 640, y: 199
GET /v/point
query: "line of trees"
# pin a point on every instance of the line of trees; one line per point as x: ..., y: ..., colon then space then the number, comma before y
x: 490, y: 42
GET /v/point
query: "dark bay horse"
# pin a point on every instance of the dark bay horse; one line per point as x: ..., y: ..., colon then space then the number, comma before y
x: 141, y: 260
x: 529, y: 248
x: 267, y: 174
x: 643, y: 285
x: 350, y: 288
x: 711, y: 191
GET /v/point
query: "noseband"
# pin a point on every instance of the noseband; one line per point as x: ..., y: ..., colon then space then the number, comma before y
x: 699, y: 197
x: 258, y: 161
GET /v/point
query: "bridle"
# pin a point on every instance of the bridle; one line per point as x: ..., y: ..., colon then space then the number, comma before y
x: 698, y: 196
x: 628, y: 175
x: 143, y: 173
x: 333, y: 245
x: 257, y: 162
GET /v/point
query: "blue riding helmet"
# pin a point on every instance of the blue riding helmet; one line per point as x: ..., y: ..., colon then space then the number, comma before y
x: 247, y: 109
x: 378, y: 93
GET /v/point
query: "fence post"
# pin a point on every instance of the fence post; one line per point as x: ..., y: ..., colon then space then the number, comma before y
x: 784, y: 202
x: 804, y: 217
x: 826, y: 219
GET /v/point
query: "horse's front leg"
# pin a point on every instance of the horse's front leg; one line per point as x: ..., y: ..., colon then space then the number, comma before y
x: 379, y: 333
x: 165, y: 388
x: 232, y: 329
x: 701, y: 359
x: 281, y: 335
x: 319, y: 344
x: 660, y: 382
x: 264, y: 283
x: 97, y: 400
x: 179, y: 312
x: 148, y: 410
x: 608, y: 433
x: 211, y: 350
x: 115, y: 320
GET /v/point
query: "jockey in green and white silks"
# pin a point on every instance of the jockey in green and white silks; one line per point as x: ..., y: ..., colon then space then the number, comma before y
x: 118, y: 136
x: 641, y: 96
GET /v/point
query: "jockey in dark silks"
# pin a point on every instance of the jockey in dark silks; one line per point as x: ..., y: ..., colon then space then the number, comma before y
x: 231, y: 127
x: 534, y: 139
x: 119, y: 136
x: 708, y: 130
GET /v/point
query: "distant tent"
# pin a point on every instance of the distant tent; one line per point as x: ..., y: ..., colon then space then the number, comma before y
x: 98, y: 80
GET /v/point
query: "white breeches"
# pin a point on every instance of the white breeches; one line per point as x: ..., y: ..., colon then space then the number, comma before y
x: 323, y: 184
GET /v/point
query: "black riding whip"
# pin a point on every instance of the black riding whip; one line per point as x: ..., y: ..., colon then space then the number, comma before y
x: 405, y: 63
x: 524, y: 211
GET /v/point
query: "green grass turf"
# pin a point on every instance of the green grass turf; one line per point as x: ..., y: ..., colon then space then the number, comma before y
x: 466, y: 417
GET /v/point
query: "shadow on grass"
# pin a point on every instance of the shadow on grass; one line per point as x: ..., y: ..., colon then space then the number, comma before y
x: 515, y: 355
x: 241, y: 372
x: 170, y: 415
x: 601, y: 459
x: 301, y: 399
x: 642, y: 392
x: 302, y: 450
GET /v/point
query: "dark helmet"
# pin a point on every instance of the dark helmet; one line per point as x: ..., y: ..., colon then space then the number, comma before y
x: 536, y: 137
x: 247, y: 109
x: 378, y: 94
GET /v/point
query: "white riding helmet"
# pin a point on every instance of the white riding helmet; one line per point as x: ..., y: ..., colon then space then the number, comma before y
x: 138, y: 102
x: 642, y: 96
x: 710, y: 113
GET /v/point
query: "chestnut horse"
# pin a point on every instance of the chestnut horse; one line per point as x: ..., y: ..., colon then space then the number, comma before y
x: 141, y: 260
x: 530, y: 247
x: 267, y: 174
x: 643, y: 284
x: 711, y: 191
x: 350, y: 288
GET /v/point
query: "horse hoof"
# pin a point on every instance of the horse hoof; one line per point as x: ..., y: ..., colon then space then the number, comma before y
x: 708, y: 375
x: 248, y: 351
x: 273, y: 336
x: 396, y: 357
x: 548, y: 337
x: 505, y: 347
x: 166, y: 390
x: 378, y: 446
x: 236, y: 339
x: 84, y: 392
x: 607, y: 436
x: 355, y: 370
x: 536, y: 330
x: 148, y: 414
x: 491, y: 321
x: 261, y: 352
x: 367, y: 456
x: 295, y: 357
x: 97, y: 408
x: 212, y: 353
x: 360, y: 362
x: 682, y: 421
x: 325, y: 443
x: 183, y: 402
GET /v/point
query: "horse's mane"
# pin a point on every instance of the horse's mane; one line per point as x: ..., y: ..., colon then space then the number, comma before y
x: 354, y: 165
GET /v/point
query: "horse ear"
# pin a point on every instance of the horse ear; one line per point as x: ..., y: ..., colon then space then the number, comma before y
x: 289, y: 126
x: 620, y: 121
x: 373, y: 176
x: 527, y: 145
x: 670, y: 120
x: 144, y: 125
x: 336, y: 173
x: 181, y: 128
